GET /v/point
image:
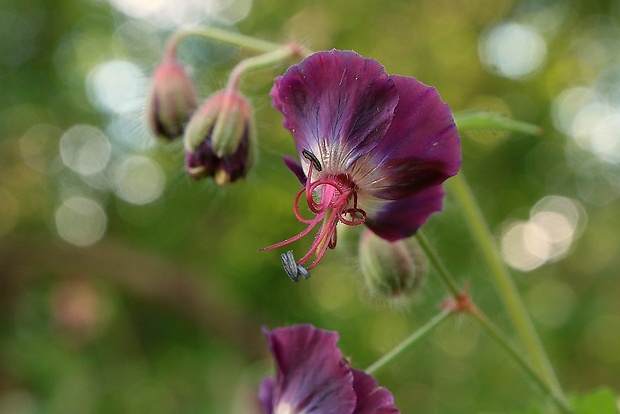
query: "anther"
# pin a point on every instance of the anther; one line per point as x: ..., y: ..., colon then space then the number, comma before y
x: 303, y: 271
x: 312, y: 158
x: 291, y: 267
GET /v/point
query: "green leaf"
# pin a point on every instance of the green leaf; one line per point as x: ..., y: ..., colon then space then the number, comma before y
x: 600, y: 401
x: 484, y: 120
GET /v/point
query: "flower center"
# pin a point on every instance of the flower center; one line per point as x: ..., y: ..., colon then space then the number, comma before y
x: 332, y: 199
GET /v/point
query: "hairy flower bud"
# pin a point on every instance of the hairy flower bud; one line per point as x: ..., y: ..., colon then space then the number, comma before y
x: 172, y: 100
x: 391, y: 269
x: 219, y: 140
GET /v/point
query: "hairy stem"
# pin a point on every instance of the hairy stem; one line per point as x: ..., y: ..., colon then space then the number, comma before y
x: 463, y: 303
x: 411, y: 340
x: 504, y: 283
x: 558, y: 398
x: 223, y: 36
x: 436, y: 261
x: 264, y: 61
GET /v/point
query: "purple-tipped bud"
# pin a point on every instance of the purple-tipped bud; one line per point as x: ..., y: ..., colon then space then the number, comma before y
x: 391, y: 269
x: 172, y: 100
x: 219, y: 140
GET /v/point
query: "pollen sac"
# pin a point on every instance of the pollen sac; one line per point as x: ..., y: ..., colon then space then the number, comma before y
x: 313, y: 159
x: 291, y: 267
x: 220, y: 138
x: 172, y: 100
x: 303, y: 272
x: 391, y: 270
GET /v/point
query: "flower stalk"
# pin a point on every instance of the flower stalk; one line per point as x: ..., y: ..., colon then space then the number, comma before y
x: 442, y: 270
x: 265, y: 60
x: 223, y: 36
x: 556, y: 395
x: 482, y: 236
x: 462, y: 303
x: 411, y: 340
x: 504, y: 284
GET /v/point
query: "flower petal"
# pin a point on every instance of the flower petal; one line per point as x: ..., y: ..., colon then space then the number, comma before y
x: 423, y: 126
x: 265, y: 394
x: 371, y: 398
x: 311, y: 374
x: 422, y: 146
x: 336, y: 104
x: 399, y: 219
x: 295, y: 168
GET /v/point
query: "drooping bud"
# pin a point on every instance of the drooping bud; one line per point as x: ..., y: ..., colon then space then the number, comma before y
x: 219, y: 139
x: 391, y: 269
x: 172, y: 100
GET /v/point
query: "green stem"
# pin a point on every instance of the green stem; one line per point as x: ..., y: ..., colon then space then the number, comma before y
x: 503, y: 282
x: 558, y: 398
x: 220, y: 35
x: 414, y: 338
x: 463, y: 303
x: 263, y: 61
x: 436, y: 261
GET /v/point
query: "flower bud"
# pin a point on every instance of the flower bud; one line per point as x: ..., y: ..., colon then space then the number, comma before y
x: 172, y: 100
x: 219, y: 140
x: 391, y: 269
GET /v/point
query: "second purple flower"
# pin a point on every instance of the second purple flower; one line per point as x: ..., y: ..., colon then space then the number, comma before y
x: 374, y: 148
x: 313, y: 377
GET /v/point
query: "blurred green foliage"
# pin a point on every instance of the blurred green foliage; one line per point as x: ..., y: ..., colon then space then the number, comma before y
x: 127, y: 287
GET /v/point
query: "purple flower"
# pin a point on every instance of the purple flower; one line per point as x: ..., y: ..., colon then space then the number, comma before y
x: 313, y: 377
x: 375, y: 149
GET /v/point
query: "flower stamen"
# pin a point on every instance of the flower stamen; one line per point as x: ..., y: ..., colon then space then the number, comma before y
x: 333, y: 200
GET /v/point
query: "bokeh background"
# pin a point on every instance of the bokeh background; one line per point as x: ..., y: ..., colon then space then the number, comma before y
x: 127, y: 287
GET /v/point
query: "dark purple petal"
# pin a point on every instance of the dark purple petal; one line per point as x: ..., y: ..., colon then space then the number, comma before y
x: 336, y: 104
x: 201, y: 162
x: 311, y: 374
x: 403, y: 177
x: 402, y: 218
x: 265, y: 394
x: 423, y: 126
x: 371, y: 398
x: 422, y: 146
x: 295, y: 167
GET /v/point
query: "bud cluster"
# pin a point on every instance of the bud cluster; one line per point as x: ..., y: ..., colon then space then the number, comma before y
x: 219, y: 137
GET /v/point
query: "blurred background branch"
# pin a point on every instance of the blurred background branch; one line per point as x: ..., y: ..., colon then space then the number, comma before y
x: 145, y: 276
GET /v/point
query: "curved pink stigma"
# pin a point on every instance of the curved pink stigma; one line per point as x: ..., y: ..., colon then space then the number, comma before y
x: 332, y: 199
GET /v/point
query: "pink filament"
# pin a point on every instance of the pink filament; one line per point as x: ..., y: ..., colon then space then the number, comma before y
x: 331, y: 208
